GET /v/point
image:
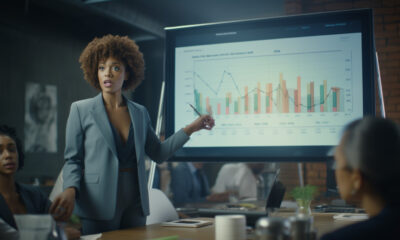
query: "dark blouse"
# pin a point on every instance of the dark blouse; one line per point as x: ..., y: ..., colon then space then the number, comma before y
x: 384, y: 226
x: 127, y: 159
x: 34, y: 200
x: 126, y: 151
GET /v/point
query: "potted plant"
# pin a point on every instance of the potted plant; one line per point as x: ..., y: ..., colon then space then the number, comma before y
x: 304, y: 196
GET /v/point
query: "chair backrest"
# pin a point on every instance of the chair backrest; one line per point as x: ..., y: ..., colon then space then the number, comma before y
x: 161, y: 208
x: 58, y: 187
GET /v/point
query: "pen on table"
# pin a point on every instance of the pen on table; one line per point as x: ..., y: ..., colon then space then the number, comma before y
x: 198, y: 113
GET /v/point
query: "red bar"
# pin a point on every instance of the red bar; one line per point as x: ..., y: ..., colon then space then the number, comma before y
x: 312, y: 96
x: 266, y: 97
x: 270, y: 97
x: 219, y: 109
x: 296, y: 106
x: 298, y: 94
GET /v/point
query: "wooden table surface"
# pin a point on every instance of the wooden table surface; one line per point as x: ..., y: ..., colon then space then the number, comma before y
x: 157, y: 231
x: 323, y: 223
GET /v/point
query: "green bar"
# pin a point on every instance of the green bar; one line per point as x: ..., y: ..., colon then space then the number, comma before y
x: 309, y: 102
x: 321, y: 94
x: 196, y: 99
x: 236, y: 107
x: 267, y: 101
x: 255, y: 102
x: 334, y: 99
x: 227, y: 102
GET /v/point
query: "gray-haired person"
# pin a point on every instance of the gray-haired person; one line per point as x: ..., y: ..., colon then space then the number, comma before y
x: 368, y: 171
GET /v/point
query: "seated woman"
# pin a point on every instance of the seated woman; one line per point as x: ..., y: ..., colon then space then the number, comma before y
x: 368, y: 170
x: 16, y: 198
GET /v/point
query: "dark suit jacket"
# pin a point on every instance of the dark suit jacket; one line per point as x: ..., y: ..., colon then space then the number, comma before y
x: 34, y: 200
x: 384, y: 226
x: 183, y: 186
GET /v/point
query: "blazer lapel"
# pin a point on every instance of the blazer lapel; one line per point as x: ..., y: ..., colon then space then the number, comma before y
x: 137, y: 128
x: 101, y: 119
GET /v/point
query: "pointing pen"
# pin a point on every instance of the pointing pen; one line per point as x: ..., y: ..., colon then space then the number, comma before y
x: 198, y: 113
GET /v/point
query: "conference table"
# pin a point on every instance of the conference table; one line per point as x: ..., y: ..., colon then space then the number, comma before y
x: 323, y: 223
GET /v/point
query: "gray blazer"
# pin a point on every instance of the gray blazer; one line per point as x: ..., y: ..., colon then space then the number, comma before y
x: 91, y: 162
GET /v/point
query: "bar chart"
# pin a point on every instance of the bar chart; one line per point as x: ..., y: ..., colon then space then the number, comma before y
x: 267, y: 98
x: 271, y: 92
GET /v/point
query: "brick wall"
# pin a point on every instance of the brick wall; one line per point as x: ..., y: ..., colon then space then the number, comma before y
x: 313, y: 174
x: 387, y: 39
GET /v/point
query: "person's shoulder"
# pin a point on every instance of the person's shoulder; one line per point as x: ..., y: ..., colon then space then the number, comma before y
x: 350, y: 232
x: 365, y: 230
x: 85, y: 102
x: 230, y: 166
x: 181, y: 168
x: 229, y: 169
x: 181, y: 165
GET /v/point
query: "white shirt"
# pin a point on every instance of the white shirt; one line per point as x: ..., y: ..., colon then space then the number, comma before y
x: 236, y: 176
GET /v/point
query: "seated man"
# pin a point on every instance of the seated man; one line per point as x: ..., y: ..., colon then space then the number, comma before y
x: 240, y: 178
x: 189, y: 184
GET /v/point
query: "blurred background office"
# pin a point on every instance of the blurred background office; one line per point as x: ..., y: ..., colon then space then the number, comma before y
x: 41, y: 41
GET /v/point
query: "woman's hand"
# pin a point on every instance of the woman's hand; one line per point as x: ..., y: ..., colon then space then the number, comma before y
x: 202, y: 122
x: 63, y: 205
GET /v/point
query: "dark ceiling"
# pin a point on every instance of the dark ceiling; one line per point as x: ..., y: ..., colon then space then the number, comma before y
x: 183, y: 12
x: 140, y: 19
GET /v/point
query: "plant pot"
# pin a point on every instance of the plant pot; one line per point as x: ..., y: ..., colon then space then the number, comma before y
x: 303, y: 207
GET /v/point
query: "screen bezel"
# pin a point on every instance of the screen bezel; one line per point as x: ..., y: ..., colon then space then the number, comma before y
x: 267, y: 153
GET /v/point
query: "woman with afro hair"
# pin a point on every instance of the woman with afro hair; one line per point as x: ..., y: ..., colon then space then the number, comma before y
x: 107, y: 137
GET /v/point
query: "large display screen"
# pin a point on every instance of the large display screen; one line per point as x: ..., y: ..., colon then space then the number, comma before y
x: 280, y: 88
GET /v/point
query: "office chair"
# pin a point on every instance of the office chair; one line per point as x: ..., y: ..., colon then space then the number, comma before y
x: 161, y: 208
x: 275, y: 198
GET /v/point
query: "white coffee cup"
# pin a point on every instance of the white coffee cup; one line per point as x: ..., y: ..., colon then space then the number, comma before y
x: 230, y: 227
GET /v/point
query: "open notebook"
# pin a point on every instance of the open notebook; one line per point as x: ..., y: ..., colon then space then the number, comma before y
x: 193, y: 223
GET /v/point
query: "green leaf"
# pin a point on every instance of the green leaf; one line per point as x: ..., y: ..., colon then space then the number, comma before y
x: 304, y: 193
